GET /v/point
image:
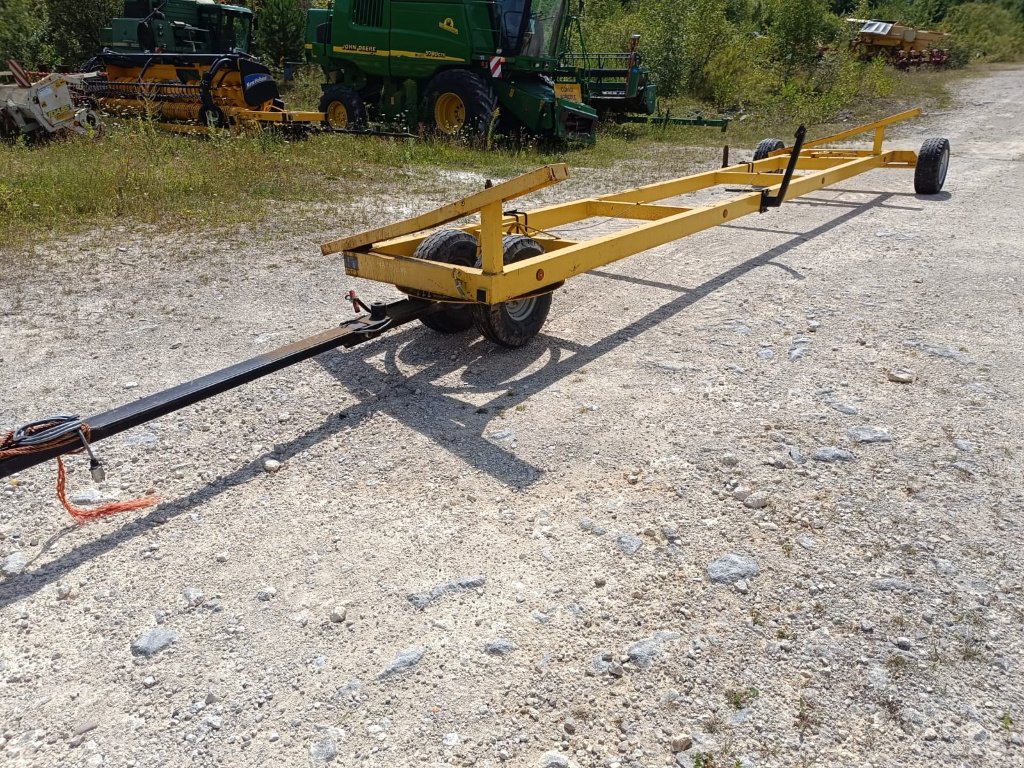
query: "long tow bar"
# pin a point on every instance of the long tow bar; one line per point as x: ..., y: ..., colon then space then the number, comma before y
x: 382, y: 317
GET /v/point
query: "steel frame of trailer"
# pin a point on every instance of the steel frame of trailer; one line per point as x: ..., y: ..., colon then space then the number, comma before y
x: 385, y: 254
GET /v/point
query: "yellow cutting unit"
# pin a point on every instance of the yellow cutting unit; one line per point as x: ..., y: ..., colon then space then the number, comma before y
x: 189, y: 92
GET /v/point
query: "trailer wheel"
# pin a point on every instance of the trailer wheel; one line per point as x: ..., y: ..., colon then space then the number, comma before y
x: 513, y: 323
x: 459, y: 102
x: 766, y: 146
x: 343, y: 109
x: 932, y: 164
x: 451, y: 246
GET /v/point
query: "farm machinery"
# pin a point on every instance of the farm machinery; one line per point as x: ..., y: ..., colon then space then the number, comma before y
x: 188, y: 92
x: 180, y: 26
x: 43, y: 107
x: 902, y: 46
x: 474, y: 68
x: 498, y: 273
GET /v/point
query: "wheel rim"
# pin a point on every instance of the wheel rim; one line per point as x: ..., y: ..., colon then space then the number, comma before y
x: 337, y: 115
x: 521, y: 309
x: 449, y: 113
x: 943, y: 165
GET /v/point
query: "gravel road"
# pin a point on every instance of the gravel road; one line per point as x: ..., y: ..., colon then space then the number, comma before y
x: 696, y: 522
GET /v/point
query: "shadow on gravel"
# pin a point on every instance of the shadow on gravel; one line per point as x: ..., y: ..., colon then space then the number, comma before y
x: 434, y: 410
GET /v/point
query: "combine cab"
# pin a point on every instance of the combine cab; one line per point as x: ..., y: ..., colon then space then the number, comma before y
x: 180, y: 26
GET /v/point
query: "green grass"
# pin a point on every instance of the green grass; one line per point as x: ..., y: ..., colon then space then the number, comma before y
x: 136, y: 174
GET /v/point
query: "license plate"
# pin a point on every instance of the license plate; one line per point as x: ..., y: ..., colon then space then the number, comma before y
x: 569, y: 92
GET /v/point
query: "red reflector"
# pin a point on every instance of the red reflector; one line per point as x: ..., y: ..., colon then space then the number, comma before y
x: 540, y: 274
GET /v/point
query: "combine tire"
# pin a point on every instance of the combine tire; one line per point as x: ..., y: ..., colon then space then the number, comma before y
x: 451, y: 246
x: 932, y: 163
x: 459, y: 102
x: 513, y: 323
x: 343, y: 109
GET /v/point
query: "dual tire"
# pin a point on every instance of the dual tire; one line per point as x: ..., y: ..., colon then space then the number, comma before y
x: 510, y: 324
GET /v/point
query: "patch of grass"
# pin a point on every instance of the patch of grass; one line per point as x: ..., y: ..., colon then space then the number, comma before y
x: 739, y: 698
x: 806, y: 719
x: 137, y: 173
x: 714, y: 723
x: 897, y: 665
x: 785, y: 633
x: 1006, y: 721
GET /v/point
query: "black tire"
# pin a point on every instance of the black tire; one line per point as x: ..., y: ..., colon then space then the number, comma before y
x: 513, y: 323
x: 766, y: 147
x: 451, y: 246
x: 932, y: 164
x: 343, y: 108
x: 473, y: 103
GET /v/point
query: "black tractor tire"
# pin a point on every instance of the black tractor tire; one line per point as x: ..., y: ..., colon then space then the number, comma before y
x: 932, y: 164
x: 451, y: 246
x: 343, y: 108
x: 459, y: 102
x: 513, y: 323
x: 766, y: 147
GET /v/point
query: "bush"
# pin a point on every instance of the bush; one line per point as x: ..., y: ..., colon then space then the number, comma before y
x: 281, y: 31
x: 76, y: 26
x: 985, y: 31
x: 23, y: 32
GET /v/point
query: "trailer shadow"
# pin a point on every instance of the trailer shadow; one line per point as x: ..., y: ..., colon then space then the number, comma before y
x: 434, y: 411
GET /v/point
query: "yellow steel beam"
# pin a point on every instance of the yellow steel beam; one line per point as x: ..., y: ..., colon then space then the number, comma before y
x: 897, y: 118
x: 521, y: 185
x: 631, y: 210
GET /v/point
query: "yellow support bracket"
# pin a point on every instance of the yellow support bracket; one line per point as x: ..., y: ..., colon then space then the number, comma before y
x: 509, y: 190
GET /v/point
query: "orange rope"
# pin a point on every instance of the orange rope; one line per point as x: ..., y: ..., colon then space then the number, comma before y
x: 79, y: 514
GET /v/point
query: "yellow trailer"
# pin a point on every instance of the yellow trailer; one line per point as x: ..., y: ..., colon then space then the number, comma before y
x: 498, y: 273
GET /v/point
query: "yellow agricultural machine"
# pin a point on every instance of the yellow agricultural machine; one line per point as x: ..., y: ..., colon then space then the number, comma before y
x: 903, y: 46
x: 497, y: 274
x: 194, y: 92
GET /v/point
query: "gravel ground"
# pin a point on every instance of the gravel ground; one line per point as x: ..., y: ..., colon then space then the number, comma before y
x: 696, y: 522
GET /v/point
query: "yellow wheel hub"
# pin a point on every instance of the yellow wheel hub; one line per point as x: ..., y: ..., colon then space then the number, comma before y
x: 337, y: 115
x: 449, y: 113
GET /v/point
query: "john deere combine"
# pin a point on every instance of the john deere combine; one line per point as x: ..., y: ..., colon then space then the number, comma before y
x: 456, y: 67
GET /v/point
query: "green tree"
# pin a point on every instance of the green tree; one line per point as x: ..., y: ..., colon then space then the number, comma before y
x: 76, y: 26
x: 982, y: 30
x: 23, y: 33
x: 280, y: 31
x: 798, y: 29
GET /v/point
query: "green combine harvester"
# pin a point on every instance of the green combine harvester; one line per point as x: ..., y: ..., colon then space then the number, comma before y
x: 180, y: 26
x: 459, y: 67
